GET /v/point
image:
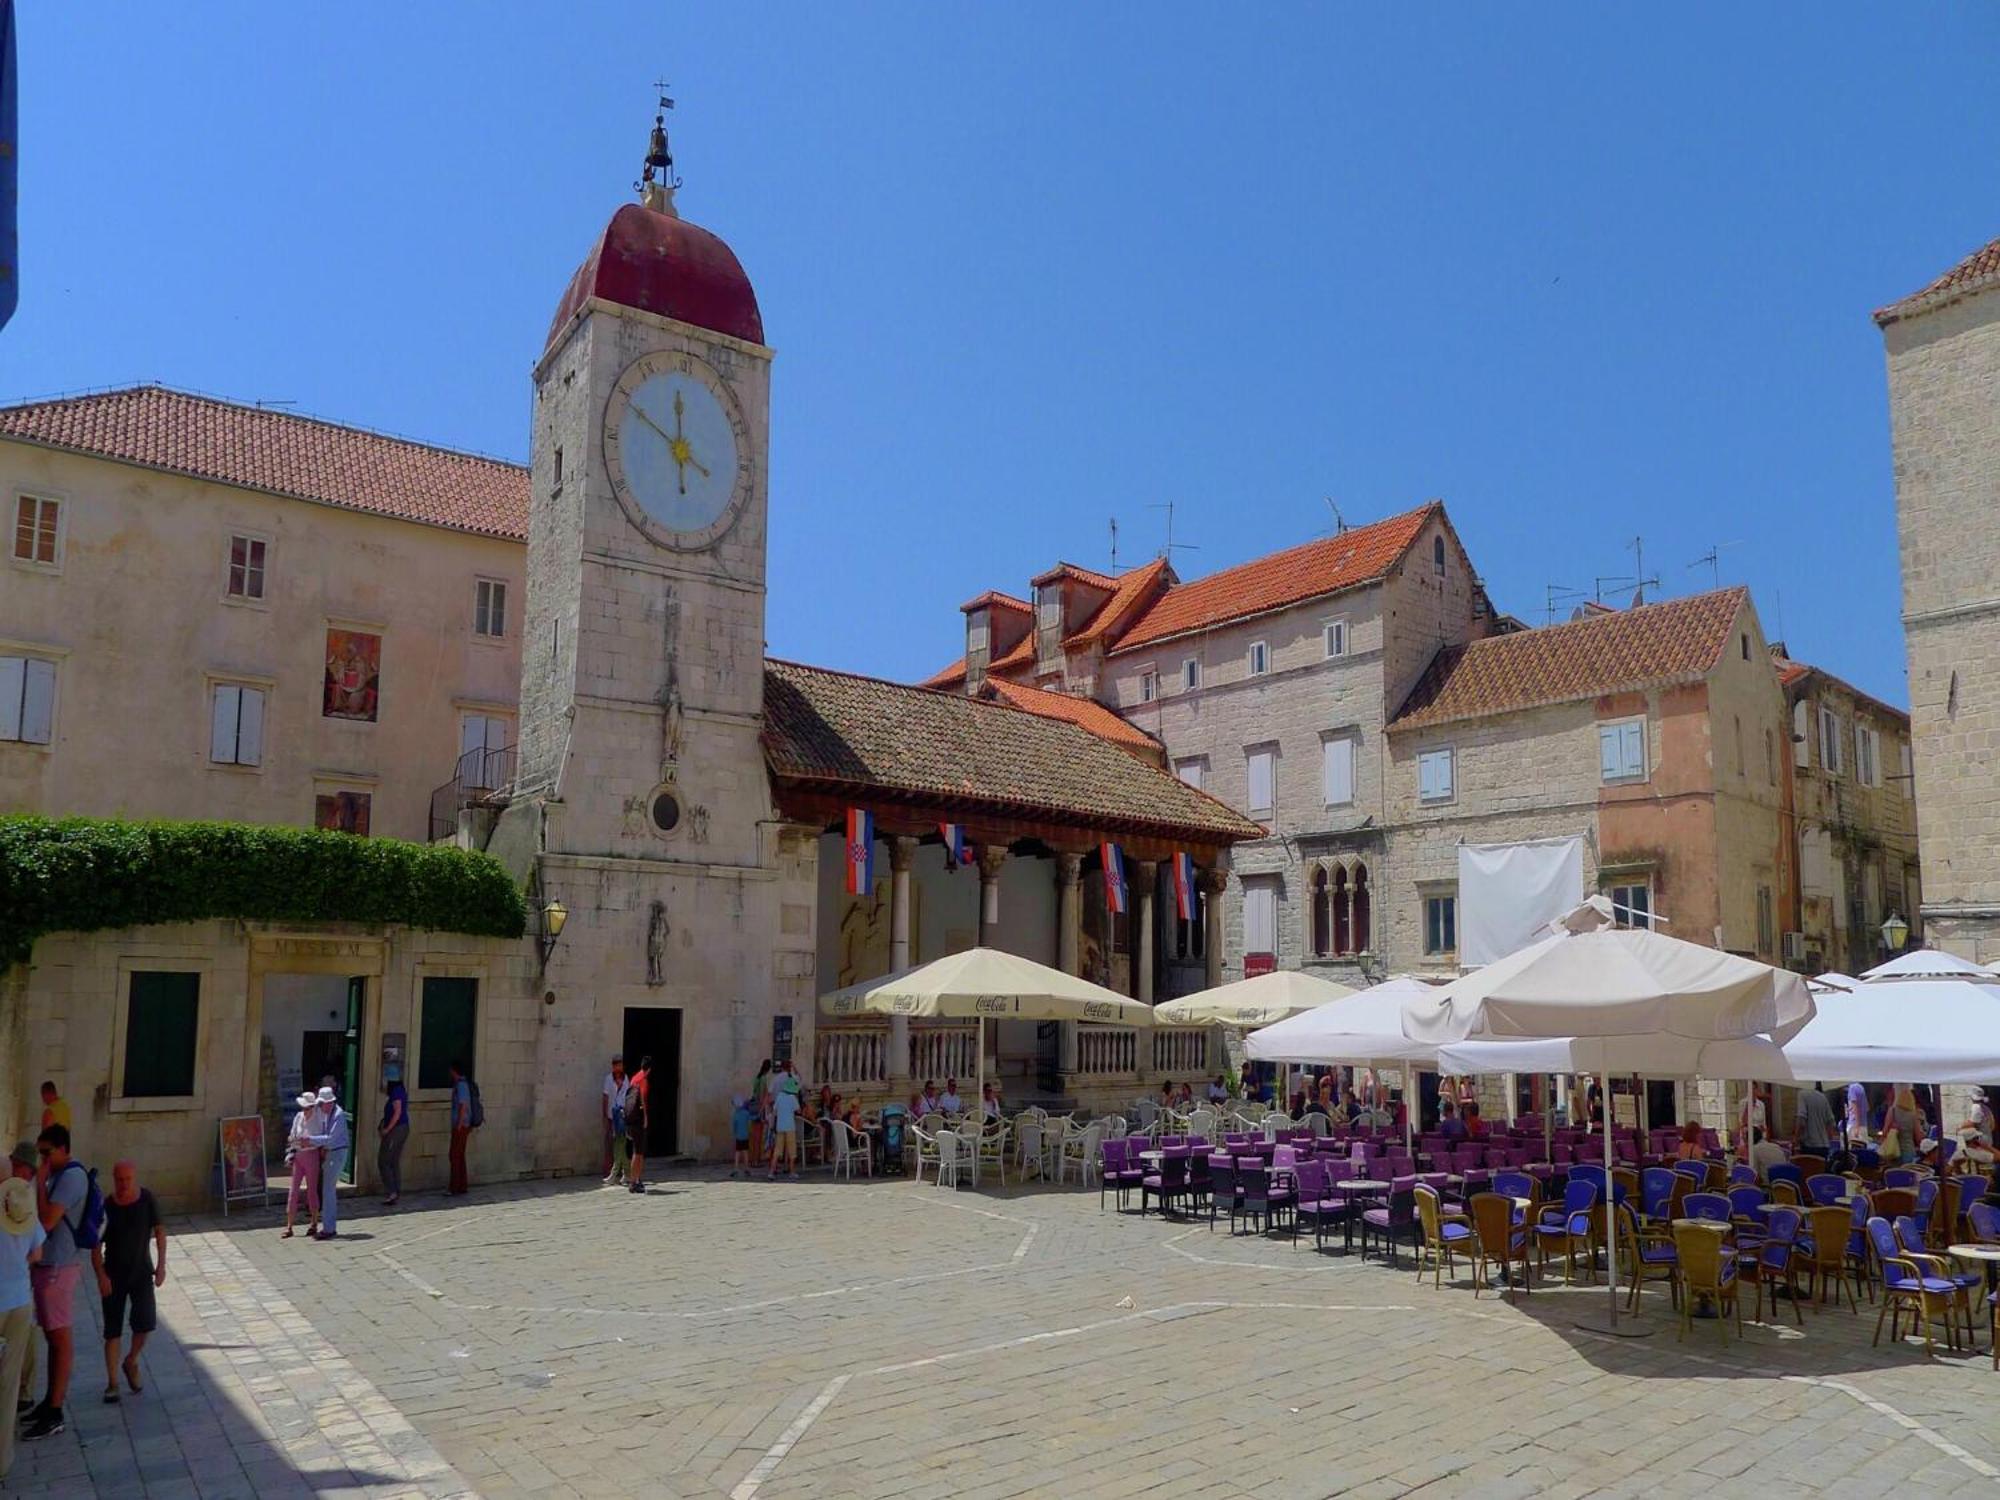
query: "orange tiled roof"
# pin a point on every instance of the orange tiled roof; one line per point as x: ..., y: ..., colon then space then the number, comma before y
x: 875, y: 741
x: 1132, y: 591
x: 1790, y: 671
x: 1606, y: 653
x: 1975, y: 273
x: 1362, y: 555
x: 1088, y: 713
x: 282, y: 454
x: 995, y: 599
x: 1071, y: 570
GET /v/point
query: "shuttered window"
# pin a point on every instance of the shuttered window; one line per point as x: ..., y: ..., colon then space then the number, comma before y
x: 1621, y: 750
x: 236, y: 725
x: 1337, y: 771
x: 162, y: 1017
x: 27, y: 699
x: 1261, y: 774
x: 449, y: 1021
x: 1435, y: 778
x: 1260, y: 917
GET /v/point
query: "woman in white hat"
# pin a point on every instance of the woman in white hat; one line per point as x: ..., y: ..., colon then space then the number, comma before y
x: 304, y: 1157
x: 21, y: 1237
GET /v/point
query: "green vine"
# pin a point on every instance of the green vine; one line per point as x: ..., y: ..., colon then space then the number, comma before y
x: 89, y: 874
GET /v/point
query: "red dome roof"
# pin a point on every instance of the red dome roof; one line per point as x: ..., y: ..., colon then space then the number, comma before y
x: 664, y: 265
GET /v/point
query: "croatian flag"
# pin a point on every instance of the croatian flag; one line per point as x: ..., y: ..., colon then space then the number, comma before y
x: 1184, y: 885
x: 1113, y: 860
x: 860, y: 852
x: 953, y: 835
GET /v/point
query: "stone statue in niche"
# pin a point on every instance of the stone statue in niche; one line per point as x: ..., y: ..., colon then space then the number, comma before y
x: 656, y: 944
x: 697, y: 825
x: 670, y: 690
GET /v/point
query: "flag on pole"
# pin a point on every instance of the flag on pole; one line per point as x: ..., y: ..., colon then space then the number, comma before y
x: 1184, y: 885
x: 953, y: 835
x: 860, y: 852
x: 1113, y: 860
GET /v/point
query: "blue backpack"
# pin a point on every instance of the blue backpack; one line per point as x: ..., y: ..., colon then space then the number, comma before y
x: 89, y: 1230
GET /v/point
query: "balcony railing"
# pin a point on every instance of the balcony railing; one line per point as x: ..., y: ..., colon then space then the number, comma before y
x: 1102, y: 1050
x: 481, y: 777
x: 851, y: 1057
x: 1180, y: 1050
x: 947, y: 1052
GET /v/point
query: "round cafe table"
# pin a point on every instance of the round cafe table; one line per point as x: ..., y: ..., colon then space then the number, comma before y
x: 1981, y: 1254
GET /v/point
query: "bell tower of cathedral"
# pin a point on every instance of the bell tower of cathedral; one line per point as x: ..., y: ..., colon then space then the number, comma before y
x: 641, y: 800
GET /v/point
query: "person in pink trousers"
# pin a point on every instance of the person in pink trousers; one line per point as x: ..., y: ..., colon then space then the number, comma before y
x: 305, y: 1165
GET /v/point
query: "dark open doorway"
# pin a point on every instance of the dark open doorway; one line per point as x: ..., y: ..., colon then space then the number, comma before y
x: 655, y: 1031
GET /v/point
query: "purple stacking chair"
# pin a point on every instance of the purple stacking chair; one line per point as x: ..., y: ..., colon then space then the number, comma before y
x: 1771, y: 1259
x: 1222, y: 1194
x: 1315, y: 1200
x: 1166, y: 1182
x: 1121, y: 1172
x: 1394, y: 1218
x: 1568, y: 1223
x: 1264, y: 1196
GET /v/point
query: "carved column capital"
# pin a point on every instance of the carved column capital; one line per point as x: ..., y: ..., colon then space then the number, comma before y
x: 1069, y: 868
x: 1213, y: 881
x: 1149, y: 874
x: 901, y: 851
x: 991, y: 858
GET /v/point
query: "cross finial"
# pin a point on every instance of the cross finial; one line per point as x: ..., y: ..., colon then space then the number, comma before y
x: 659, y: 194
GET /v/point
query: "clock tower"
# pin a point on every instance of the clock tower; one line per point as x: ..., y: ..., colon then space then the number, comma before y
x: 641, y: 798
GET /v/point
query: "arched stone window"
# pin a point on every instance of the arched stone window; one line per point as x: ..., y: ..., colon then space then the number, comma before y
x: 1360, y: 922
x: 1322, y: 914
x: 1339, y: 903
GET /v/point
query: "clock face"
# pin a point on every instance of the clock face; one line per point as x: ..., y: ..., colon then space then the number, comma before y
x: 674, y: 441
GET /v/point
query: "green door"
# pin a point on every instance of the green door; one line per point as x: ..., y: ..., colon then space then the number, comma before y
x: 350, y: 1073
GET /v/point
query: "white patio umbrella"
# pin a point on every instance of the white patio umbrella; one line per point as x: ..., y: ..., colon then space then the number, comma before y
x: 1627, y: 1000
x: 1928, y: 963
x: 1366, y: 1027
x: 980, y: 983
x: 1250, y: 1003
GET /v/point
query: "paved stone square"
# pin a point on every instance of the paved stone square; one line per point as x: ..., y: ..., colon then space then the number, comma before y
x: 746, y: 1339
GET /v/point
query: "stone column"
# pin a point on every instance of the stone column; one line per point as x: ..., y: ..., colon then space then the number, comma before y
x: 1069, y: 944
x: 1213, y: 884
x: 901, y: 852
x: 1069, y: 912
x: 1142, y: 944
x: 991, y: 858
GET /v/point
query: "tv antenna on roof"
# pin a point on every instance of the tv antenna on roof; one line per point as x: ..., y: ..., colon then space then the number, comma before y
x: 1711, y: 559
x: 1339, y: 521
x: 1172, y: 546
x: 1638, y: 583
x: 1114, y: 546
x: 1559, y: 594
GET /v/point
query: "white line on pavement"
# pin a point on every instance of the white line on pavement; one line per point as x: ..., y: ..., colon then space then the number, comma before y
x: 776, y: 1454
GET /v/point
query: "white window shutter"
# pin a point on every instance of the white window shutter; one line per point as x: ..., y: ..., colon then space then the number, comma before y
x: 1444, y: 765
x: 1426, y: 778
x: 1607, y: 751
x: 1634, y: 746
x: 250, y: 727
x: 1339, y: 771
x: 1260, y: 779
x: 38, y: 702
x: 471, y: 734
x: 1800, y: 749
x: 222, y: 718
x: 13, y: 672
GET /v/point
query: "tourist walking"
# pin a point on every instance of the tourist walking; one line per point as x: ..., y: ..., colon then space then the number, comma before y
x: 304, y: 1157
x: 785, y: 1125
x: 638, y: 1102
x: 395, y: 1133
x: 332, y: 1138
x: 617, y: 1153
x: 130, y: 1261
x: 62, y: 1197
x: 21, y: 1166
x: 461, y: 1127
x: 21, y: 1237
x: 739, y: 1131
x: 1816, y: 1127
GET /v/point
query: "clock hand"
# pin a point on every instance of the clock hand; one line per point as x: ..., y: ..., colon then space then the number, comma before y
x: 640, y: 412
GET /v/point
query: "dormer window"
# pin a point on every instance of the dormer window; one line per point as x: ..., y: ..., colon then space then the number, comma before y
x: 976, y: 631
x: 1048, y: 606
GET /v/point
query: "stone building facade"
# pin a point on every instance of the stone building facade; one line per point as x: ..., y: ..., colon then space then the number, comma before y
x: 1650, y: 734
x: 312, y: 622
x: 1854, y: 820
x: 1943, y: 347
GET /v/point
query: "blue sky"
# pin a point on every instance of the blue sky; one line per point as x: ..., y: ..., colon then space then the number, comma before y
x: 1032, y: 267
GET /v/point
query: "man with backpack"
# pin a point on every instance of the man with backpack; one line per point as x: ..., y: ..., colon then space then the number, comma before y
x: 71, y: 1209
x: 467, y: 1115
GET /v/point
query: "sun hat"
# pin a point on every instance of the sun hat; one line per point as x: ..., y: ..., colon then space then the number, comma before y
x: 24, y: 1155
x: 308, y: 1099
x: 325, y: 1094
x: 17, y: 1205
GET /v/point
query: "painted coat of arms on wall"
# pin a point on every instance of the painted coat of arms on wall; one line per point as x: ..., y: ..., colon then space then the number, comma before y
x: 353, y: 674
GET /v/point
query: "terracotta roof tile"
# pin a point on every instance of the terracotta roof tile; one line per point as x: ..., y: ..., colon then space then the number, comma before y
x: 994, y: 599
x: 1071, y: 570
x: 1604, y: 653
x: 1976, y: 272
x: 1790, y: 671
x: 282, y: 454
x: 863, y: 736
x: 1085, y: 712
x: 1362, y: 555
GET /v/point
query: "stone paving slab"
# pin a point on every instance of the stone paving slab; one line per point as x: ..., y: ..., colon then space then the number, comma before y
x: 762, y: 1341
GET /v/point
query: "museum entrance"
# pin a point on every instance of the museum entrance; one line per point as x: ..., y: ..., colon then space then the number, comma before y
x: 655, y: 1031
x: 313, y: 1026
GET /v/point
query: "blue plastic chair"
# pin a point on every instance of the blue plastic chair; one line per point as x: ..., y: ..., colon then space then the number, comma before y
x: 1771, y: 1260
x: 1905, y: 1285
x: 1656, y: 1191
x: 1569, y: 1224
x: 1713, y: 1206
x: 1826, y: 1187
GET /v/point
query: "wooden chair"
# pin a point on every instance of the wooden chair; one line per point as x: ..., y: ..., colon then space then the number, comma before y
x: 1824, y: 1248
x: 1440, y: 1237
x: 1718, y: 1177
x: 1787, y: 1192
x: 1707, y: 1260
x: 1809, y: 1165
x: 1649, y: 1254
x: 1498, y: 1237
x: 1888, y: 1203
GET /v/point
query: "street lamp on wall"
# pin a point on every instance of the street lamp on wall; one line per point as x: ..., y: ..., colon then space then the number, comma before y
x: 554, y: 916
x: 1895, y: 932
